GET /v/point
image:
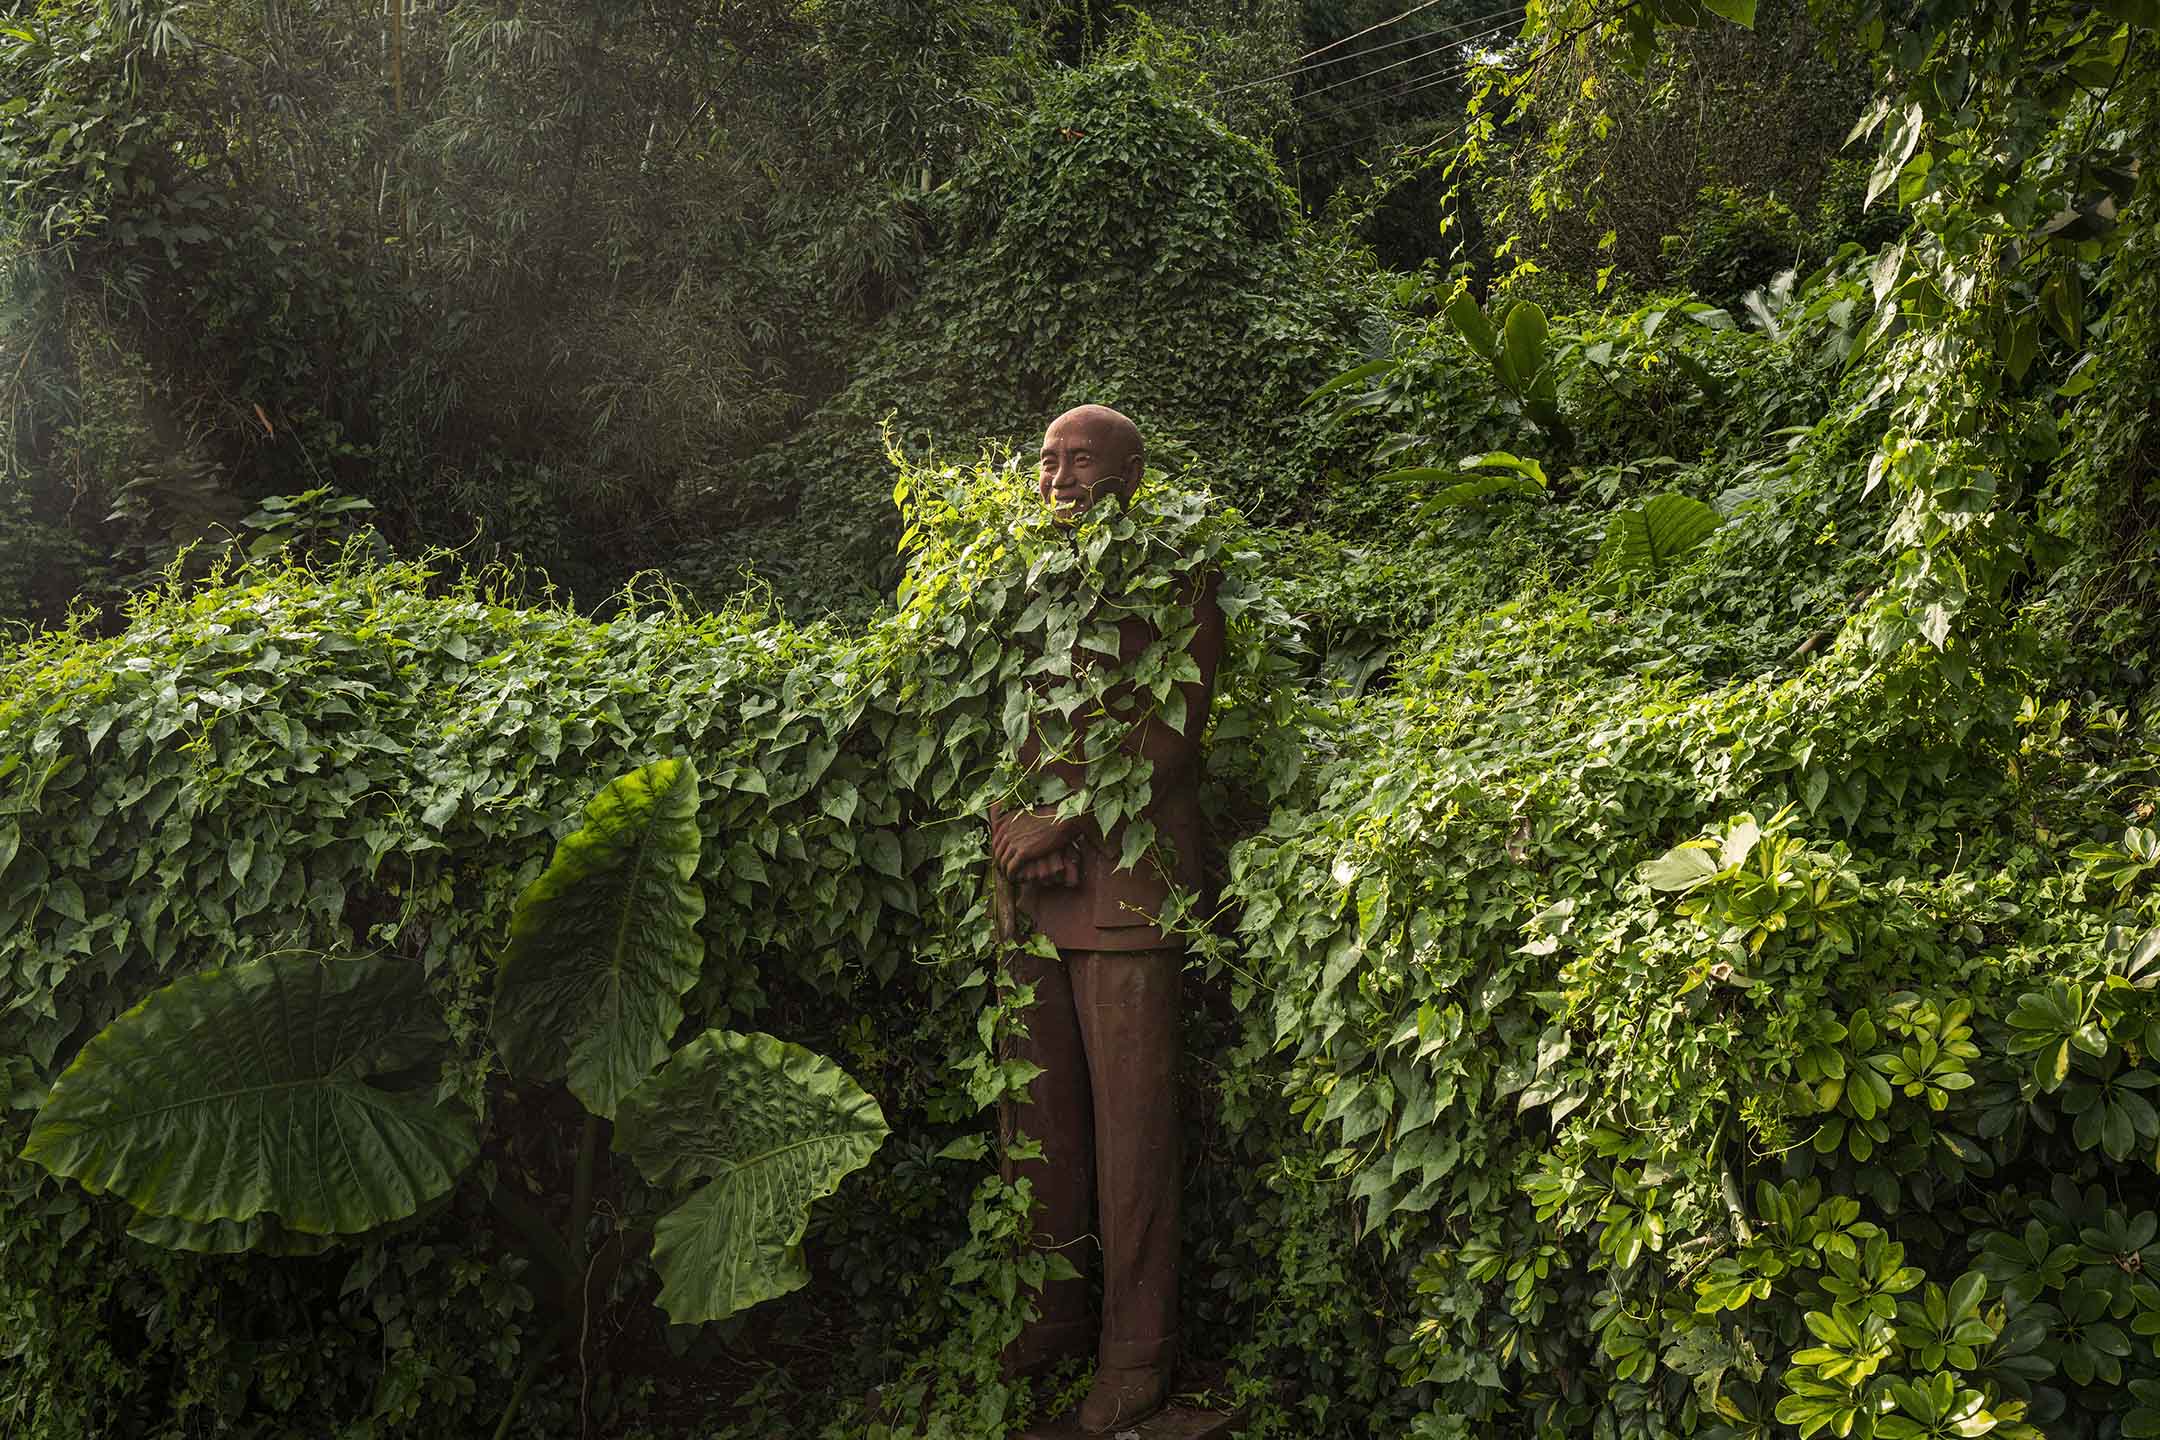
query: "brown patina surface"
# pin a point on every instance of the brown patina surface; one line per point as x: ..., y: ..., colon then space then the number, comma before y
x: 1104, y: 1028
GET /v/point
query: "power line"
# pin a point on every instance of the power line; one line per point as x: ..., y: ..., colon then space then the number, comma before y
x: 1418, y: 82
x: 1423, y: 81
x: 1411, y: 60
x: 1421, y: 36
x: 1382, y: 25
x: 1300, y: 69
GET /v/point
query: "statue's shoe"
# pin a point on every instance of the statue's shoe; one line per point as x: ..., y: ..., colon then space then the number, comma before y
x: 1123, y: 1397
x: 1042, y: 1346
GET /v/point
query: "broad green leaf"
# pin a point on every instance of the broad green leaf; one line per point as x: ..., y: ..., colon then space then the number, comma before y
x: 1740, y: 12
x: 768, y: 1127
x: 281, y: 1087
x: 262, y: 1235
x: 1350, y: 377
x: 1651, y: 536
x: 1469, y: 321
x: 605, y: 942
x: 1485, y: 487
x: 2020, y: 345
x: 1522, y: 357
x: 1681, y: 868
x: 2062, y: 299
x: 1502, y: 460
x: 1415, y: 475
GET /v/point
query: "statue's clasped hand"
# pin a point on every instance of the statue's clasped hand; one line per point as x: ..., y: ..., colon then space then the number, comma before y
x: 1034, y: 848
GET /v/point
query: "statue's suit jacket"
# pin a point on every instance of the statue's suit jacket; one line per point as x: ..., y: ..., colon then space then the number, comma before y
x: 1114, y: 909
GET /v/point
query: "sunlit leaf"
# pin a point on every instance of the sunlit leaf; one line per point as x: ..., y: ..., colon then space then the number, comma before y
x: 1650, y: 537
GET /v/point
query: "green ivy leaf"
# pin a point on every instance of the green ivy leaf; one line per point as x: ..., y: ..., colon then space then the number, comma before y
x: 1681, y: 868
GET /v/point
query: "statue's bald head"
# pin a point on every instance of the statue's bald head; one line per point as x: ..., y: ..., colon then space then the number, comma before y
x: 1089, y: 452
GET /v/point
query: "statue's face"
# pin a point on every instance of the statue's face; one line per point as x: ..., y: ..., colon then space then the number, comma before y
x: 1085, y: 459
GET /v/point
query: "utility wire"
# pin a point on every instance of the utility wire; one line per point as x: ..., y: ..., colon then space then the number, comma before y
x: 1382, y: 25
x: 1424, y: 81
x: 1410, y: 60
x: 1301, y: 69
x: 1403, y: 150
x: 1421, y: 82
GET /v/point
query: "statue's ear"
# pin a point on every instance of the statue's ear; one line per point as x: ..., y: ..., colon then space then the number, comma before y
x: 1135, y: 469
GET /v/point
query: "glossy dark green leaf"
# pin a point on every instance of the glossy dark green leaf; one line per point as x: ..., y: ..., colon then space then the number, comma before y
x: 297, y: 1087
x: 762, y: 1128
x: 605, y: 942
x: 1522, y: 358
x: 1468, y: 318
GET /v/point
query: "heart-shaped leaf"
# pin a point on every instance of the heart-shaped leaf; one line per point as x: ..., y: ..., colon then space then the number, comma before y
x: 288, y: 1087
x: 768, y: 1127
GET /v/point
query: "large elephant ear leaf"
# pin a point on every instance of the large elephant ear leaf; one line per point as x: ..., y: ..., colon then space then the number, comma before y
x: 296, y: 1087
x: 263, y: 1235
x: 605, y: 942
x: 1651, y: 537
x: 768, y: 1127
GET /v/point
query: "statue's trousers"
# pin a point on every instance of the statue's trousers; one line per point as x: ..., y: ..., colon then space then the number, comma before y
x: 1104, y: 1029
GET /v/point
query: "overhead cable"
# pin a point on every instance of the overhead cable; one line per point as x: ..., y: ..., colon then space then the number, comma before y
x: 1382, y: 25
x: 1401, y: 150
x: 1411, y: 60
x: 1415, y: 83
x: 1301, y: 68
x: 1423, y: 83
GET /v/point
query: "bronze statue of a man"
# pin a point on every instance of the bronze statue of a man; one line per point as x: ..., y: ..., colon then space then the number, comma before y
x: 1104, y: 1028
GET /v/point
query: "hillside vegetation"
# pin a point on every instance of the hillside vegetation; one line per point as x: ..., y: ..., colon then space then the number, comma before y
x: 1688, y: 959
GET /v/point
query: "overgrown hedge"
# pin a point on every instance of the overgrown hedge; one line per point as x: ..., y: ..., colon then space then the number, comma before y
x: 366, y: 762
x: 1588, y: 1140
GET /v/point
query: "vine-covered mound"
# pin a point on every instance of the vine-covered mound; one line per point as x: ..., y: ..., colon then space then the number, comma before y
x: 1116, y: 246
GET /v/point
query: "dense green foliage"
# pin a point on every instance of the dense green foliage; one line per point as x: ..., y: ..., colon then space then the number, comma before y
x: 276, y: 1105
x: 1116, y: 247
x: 1688, y: 958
